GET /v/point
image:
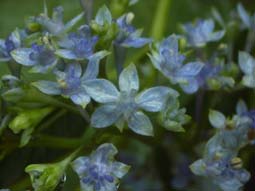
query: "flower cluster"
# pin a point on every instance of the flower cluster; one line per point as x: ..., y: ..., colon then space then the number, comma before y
x: 220, y: 161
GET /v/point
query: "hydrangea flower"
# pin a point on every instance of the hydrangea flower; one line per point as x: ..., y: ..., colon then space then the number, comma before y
x: 226, y: 173
x: 71, y: 82
x: 247, y: 65
x: 78, y: 46
x: 12, y: 42
x: 167, y: 59
x: 201, y: 32
x: 128, y: 36
x: 55, y: 25
x: 125, y: 105
x: 248, y: 20
x: 39, y: 57
x: 99, y: 171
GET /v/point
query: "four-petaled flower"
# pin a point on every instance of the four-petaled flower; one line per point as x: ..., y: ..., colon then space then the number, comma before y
x: 99, y: 171
x: 247, y: 65
x: 126, y: 105
x: 129, y: 36
x: 71, y: 82
x: 78, y: 46
x: 201, y: 33
x: 41, y: 58
x: 167, y: 59
x: 12, y: 42
x: 55, y: 25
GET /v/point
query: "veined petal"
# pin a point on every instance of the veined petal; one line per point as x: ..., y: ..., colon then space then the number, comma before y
x: 216, y: 35
x: 47, y: 87
x: 244, y: 15
x: 140, y: 124
x: 105, y: 116
x: 67, y: 54
x: 120, y: 169
x: 68, y: 26
x: 128, y: 79
x: 190, y: 69
x: 246, y: 62
x: 22, y: 56
x: 81, y: 99
x: 249, y: 81
x: 191, y: 86
x: 102, y: 91
x: 136, y: 42
x: 154, y: 99
x: 104, y: 152
x: 80, y: 165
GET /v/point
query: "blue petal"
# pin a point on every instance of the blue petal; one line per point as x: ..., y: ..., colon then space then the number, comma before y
x: 136, y: 42
x: 22, y: 56
x: 244, y: 15
x: 128, y: 79
x: 47, y: 87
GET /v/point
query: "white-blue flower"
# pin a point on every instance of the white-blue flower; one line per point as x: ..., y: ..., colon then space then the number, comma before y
x: 99, y: 171
x: 167, y: 59
x: 126, y: 104
x: 202, y: 32
x: 247, y: 65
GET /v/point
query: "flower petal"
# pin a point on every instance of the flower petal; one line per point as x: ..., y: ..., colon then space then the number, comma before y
x: 22, y: 56
x: 67, y: 54
x: 120, y: 169
x: 47, y: 87
x: 102, y: 91
x: 80, y: 165
x: 190, y: 69
x: 128, y: 79
x: 246, y: 62
x: 81, y: 99
x: 140, y: 124
x: 105, y: 116
x: 154, y: 99
x: 244, y: 15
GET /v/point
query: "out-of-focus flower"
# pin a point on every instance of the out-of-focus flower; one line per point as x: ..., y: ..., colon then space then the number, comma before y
x: 78, y: 46
x: 99, y: 171
x: 55, y: 25
x: 71, y: 82
x: 39, y: 57
x: 202, y: 32
x: 12, y: 42
x: 247, y: 65
x: 247, y: 19
x: 167, y: 59
x: 126, y: 105
x: 128, y: 36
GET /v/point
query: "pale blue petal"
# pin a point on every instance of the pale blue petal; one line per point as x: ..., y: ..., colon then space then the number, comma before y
x: 103, y: 16
x: 246, y: 62
x: 140, y: 124
x: 154, y: 99
x: 120, y: 169
x: 47, y: 87
x: 128, y: 79
x: 70, y: 24
x: 241, y: 107
x: 190, y: 69
x: 81, y: 99
x: 105, y: 116
x: 191, y: 86
x: 136, y: 42
x: 217, y: 119
x: 244, y: 15
x: 249, y: 81
x: 80, y: 165
x: 215, y: 36
x: 22, y: 56
x: 102, y: 91
x: 67, y: 54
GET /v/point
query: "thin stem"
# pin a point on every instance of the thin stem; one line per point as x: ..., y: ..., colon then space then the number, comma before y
x: 119, y: 57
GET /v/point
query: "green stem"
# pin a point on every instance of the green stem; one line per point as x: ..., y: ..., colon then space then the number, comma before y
x: 160, y: 19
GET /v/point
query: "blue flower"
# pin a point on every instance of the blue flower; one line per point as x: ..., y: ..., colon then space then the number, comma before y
x: 99, y: 171
x: 128, y: 36
x: 226, y: 173
x: 201, y: 33
x: 248, y: 20
x: 242, y: 110
x: 71, y: 82
x: 39, y: 57
x: 167, y: 59
x: 78, y: 46
x: 125, y: 105
x: 247, y: 65
x: 12, y: 42
x: 55, y: 25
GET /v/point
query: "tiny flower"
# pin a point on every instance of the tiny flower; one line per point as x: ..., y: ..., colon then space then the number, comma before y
x: 169, y: 61
x: 78, y: 46
x: 201, y: 32
x: 99, y: 171
x: 39, y: 57
x: 248, y: 20
x: 12, y: 42
x: 247, y: 65
x: 55, y: 25
x: 71, y: 82
x: 126, y: 104
x: 222, y: 172
x: 128, y: 36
